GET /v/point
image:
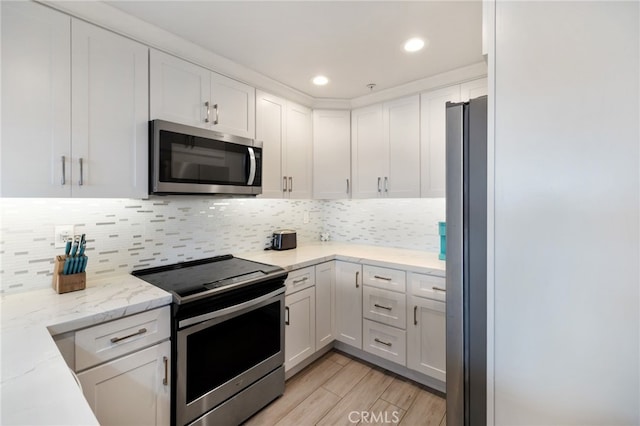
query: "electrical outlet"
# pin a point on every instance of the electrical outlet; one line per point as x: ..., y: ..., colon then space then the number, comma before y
x: 62, y: 233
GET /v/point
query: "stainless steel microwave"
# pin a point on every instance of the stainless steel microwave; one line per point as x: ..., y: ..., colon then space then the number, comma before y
x: 191, y: 160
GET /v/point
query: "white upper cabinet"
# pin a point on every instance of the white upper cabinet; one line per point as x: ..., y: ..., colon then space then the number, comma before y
x: 186, y: 93
x: 369, y: 152
x: 270, y: 128
x: 473, y: 89
x: 285, y: 131
x: 433, y: 139
x: 331, y: 154
x: 109, y: 114
x: 36, y: 101
x: 75, y: 107
x: 386, y: 149
x: 402, y: 129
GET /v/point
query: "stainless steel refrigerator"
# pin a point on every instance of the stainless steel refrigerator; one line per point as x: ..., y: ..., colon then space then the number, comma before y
x: 466, y: 254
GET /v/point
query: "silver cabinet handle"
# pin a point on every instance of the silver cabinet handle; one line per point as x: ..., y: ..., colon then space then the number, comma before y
x: 165, y: 360
x: 284, y: 184
x: 300, y: 280
x: 384, y: 343
x: 81, y: 181
x: 415, y: 315
x: 347, y: 185
x: 64, y: 172
x: 118, y: 339
x: 382, y: 278
x: 357, y: 273
x: 382, y: 307
x: 217, y: 120
x: 379, y: 190
x: 206, y: 119
x: 439, y: 289
x: 290, y: 183
x: 286, y: 317
x: 386, y: 184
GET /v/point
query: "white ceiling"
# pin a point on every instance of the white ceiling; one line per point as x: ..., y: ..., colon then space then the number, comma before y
x: 353, y: 43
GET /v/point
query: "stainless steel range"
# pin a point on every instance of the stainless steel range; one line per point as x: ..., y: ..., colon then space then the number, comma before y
x: 227, y: 337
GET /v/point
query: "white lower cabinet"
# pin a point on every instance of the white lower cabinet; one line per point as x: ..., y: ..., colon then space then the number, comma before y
x: 131, y: 390
x: 385, y: 341
x: 325, y: 303
x: 427, y: 330
x: 124, y: 367
x: 300, y: 323
x: 349, y: 303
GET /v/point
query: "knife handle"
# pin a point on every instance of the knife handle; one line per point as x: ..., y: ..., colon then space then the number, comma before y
x: 85, y: 259
x: 67, y: 264
x: 74, y: 250
x: 67, y: 248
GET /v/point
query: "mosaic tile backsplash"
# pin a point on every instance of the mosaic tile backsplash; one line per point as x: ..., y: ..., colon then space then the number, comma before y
x: 123, y: 235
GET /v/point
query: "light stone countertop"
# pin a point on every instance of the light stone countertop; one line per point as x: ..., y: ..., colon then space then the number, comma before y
x: 311, y: 254
x: 36, y: 387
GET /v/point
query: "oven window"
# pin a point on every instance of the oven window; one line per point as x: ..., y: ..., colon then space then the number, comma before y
x: 192, y: 159
x: 219, y: 353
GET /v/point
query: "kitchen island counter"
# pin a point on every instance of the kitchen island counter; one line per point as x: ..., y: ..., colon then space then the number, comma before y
x: 36, y: 386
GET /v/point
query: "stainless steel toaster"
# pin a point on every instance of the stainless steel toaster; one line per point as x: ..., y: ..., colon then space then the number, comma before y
x: 284, y: 239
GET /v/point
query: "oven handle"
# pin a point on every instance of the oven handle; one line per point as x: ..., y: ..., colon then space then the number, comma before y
x: 229, y: 310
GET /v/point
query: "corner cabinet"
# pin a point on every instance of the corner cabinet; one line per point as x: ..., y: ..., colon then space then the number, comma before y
x: 385, y: 149
x: 189, y: 94
x: 285, y: 131
x: 331, y: 154
x: 74, y: 107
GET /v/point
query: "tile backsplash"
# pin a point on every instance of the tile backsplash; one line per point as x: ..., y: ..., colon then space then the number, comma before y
x: 124, y: 234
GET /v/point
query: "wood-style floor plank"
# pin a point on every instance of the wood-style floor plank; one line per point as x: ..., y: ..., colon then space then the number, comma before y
x: 338, y: 358
x: 383, y: 413
x: 401, y: 392
x: 311, y: 410
x: 427, y: 409
x: 349, y: 376
x: 360, y: 398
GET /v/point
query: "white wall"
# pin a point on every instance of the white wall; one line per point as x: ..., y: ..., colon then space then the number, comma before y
x: 567, y: 199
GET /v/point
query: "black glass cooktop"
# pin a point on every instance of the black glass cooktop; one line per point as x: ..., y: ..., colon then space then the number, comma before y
x: 198, y: 276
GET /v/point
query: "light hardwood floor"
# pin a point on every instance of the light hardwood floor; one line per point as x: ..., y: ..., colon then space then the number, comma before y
x: 340, y: 390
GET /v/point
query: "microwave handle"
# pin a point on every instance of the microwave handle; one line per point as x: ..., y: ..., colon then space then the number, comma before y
x: 252, y: 166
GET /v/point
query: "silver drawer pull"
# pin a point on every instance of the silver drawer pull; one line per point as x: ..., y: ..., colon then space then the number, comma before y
x: 357, y: 273
x: 300, y: 280
x: 165, y: 380
x: 439, y: 289
x: 117, y: 339
x: 384, y: 343
x: 415, y: 315
x: 382, y: 278
x: 382, y: 307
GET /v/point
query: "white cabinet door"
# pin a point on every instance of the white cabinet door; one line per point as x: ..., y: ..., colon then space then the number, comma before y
x: 426, y: 330
x: 331, y: 154
x: 369, y: 152
x: 132, y: 390
x: 36, y: 101
x: 178, y: 90
x: 234, y: 106
x: 109, y: 114
x: 270, y: 128
x: 433, y: 139
x: 298, y: 151
x: 401, y: 120
x: 325, y: 302
x: 349, y: 303
x: 473, y: 89
x: 300, y: 325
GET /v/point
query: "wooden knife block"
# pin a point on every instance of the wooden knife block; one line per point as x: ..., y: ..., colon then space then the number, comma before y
x: 66, y: 283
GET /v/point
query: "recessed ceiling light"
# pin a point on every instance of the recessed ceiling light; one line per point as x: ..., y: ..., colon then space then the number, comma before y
x: 413, y: 44
x: 320, y: 80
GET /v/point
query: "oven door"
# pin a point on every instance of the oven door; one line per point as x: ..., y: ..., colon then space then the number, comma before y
x: 191, y: 160
x: 232, y: 348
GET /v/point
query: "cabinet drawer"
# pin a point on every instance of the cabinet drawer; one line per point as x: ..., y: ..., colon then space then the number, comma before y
x: 300, y: 279
x: 428, y: 286
x: 385, y: 306
x: 386, y: 342
x: 107, y: 341
x: 386, y: 278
